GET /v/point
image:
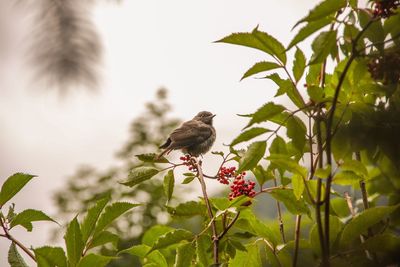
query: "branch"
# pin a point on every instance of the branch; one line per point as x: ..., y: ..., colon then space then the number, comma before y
x: 229, y: 225
x: 215, y: 238
x: 12, y: 239
x: 296, y: 239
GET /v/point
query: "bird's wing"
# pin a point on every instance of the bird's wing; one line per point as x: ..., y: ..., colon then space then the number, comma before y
x: 190, y: 133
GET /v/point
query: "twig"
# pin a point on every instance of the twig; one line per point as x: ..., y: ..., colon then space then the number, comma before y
x: 281, y: 226
x: 296, y: 239
x: 215, y: 238
x: 12, y: 239
x: 229, y: 225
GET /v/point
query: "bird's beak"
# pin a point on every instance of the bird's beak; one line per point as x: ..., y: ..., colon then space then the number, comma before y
x: 213, y: 115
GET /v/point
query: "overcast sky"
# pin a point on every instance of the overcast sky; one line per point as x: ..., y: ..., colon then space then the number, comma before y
x: 147, y: 44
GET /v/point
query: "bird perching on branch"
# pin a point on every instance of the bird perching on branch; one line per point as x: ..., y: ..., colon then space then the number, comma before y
x: 194, y: 137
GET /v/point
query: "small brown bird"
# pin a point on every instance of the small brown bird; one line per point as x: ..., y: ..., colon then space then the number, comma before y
x: 194, y: 137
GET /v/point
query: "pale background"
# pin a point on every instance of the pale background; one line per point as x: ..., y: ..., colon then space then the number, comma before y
x: 147, y: 44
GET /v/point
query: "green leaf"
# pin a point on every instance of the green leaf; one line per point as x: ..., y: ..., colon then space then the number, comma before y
x: 296, y: 130
x: 104, y: 238
x: 168, y: 185
x: 91, y: 260
x: 260, y: 67
x: 151, y: 235
x: 323, y: 9
x: 323, y: 173
x: 249, y: 134
x: 335, y: 227
x: 382, y: 243
x: 142, y: 251
x: 275, y: 48
x: 152, y: 157
x: 13, y: 185
x: 14, y: 258
x: 202, y: 248
x: 140, y: 174
x: 322, y: 46
x: 73, y: 242
x: 253, y: 155
x: 354, y: 166
x: 171, y: 238
x: 278, y: 146
x: 299, y: 64
x: 340, y: 207
x: 184, y: 255
x: 111, y: 213
x: 91, y: 218
x: 288, y: 164
x: 265, y: 113
x: 250, y: 257
x: 50, y: 257
x: 26, y: 217
x: 294, y: 206
x: 346, y: 178
x: 315, y: 93
x: 188, y: 179
x: 298, y: 185
x: 187, y: 209
x: 262, y: 175
x: 309, y: 29
x: 363, y: 221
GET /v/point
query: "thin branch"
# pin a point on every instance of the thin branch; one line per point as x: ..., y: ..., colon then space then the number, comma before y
x: 229, y: 225
x: 215, y: 239
x: 296, y: 239
x: 281, y: 226
x: 15, y: 241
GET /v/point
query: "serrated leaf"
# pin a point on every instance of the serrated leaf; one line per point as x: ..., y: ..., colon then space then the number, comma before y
x: 288, y: 164
x: 315, y: 93
x: 253, y: 155
x: 91, y: 260
x: 140, y: 174
x: 298, y: 185
x: 50, y: 257
x: 278, y: 146
x: 335, y: 227
x: 202, y: 248
x: 91, y: 218
x: 309, y: 29
x: 296, y: 130
x: 287, y: 197
x: 323, y: 9
x: 248, y: 135
x: 260, y: 67
x: 188, y: 179
x: 168, y: 185
x: 151, y: 157
x: 104, y: 238
x: 266, y: 112
x: 250, y: 257
x: 184, y: 255
x: 111, y: 213
x: 322, y: 46
x: 363, y: 221
x: 171, y: 238
x: 142, y: 251
x: 26, y: 217
x: 73, y: 242
x: 262, y: 175
x: 11, y: 212
x: 151, y: 235
x: 14, y: 258
x: 189, y: 209
x: 274, y: 46
x: 299, y: 64
x: 13, y: 185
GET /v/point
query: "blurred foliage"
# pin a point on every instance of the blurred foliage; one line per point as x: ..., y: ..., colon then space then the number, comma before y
x: 88, y: 185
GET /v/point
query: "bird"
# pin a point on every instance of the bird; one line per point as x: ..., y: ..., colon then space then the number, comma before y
x: 194, y: 137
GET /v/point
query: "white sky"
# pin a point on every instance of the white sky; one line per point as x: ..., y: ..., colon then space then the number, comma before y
x: 147, y: 44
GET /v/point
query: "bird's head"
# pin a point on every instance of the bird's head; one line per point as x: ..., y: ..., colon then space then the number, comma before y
x: 205, y: 116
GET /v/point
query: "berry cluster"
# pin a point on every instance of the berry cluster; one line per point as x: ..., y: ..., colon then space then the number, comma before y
x: 242, y: 187
x: 225, y: 174
x: 385, y: 8
x: 189, y: 161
